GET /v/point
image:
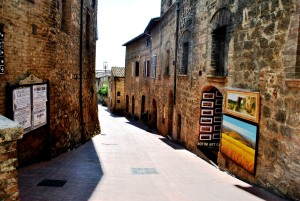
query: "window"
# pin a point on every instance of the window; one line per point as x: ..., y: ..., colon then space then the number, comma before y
x: 118, y: 93
x: 148, y: 42
x: 88, y: 30
x: 221, y: 34
x: 137, y: 69
x: 154, y: 66
x: 167, y: 63
x: 148, y: 68
x: 118, y: 101
x: 66, y: 16
x: 132, y: 68
x: 185, y: 53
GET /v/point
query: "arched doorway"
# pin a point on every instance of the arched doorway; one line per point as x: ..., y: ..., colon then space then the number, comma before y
x: 210, y: 123
x: 170, y: 114
x: 127, y: 103
x: 153, y: 121
x: 132, y: 106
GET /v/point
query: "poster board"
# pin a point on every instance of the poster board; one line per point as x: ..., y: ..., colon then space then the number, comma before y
x: 30, y: 105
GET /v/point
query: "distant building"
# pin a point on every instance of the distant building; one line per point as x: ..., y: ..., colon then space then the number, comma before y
x: 116, y: 97
x: 102, y: 80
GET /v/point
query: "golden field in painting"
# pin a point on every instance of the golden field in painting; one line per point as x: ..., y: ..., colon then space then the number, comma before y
x: 238, y: 151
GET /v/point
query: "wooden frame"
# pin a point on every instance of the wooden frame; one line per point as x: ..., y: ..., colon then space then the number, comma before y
x: 219, y: 94
x: 216, y: 136
x: 206, y: 120
x: 217, y: 127
x: 209, y: 96
x: 207, y: 104
x: 217, y: 119
x: 218, y: 110
x: 219, y: 102
x: 207, y: 112
x: 243, y: 104
x: 205, y: 137
x: 206, y: 129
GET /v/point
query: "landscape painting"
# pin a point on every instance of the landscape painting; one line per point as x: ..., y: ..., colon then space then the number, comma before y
x: 238, y: 142
x: 243, y: 104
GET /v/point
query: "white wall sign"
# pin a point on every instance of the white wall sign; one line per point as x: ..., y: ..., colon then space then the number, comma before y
x: 21, y: 98
x: 23, y: 117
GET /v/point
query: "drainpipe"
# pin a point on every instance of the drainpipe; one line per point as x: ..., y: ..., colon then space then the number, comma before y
x: 83, y: 139
x: 176, y: 48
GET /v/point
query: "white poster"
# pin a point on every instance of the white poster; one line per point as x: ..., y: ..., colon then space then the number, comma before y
x: 21, y: 98
x: 39, y: 93
x: 23, y: 117
x: 39, y: 116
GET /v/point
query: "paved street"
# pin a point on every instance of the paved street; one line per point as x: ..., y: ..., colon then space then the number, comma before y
x: 127, y: 163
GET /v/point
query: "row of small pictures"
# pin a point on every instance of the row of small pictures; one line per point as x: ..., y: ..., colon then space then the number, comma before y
x: 211, y: 104
x: 211, y: 96
x: 210, y: 120
x: 210, y: 129
x: 214, y: 136
x: 211, y: 112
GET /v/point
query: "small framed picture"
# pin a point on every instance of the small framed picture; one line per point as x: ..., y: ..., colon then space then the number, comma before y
x: 218, y: 119
x: 219, y: 101
x: 209, y: 96
x: 218, y: 94
x: 205, y: 137
x: 218, y: 110
x: 216, y: 136
x: 207, y: 104
x: 217, y: 127
x: 207, y: 112
x: 206, y: 120
x: 206, y: 129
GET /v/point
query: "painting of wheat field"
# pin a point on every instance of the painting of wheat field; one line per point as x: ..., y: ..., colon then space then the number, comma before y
x: 238, y: 142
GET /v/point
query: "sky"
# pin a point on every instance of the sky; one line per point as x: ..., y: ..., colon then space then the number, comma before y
x: 119, y: 21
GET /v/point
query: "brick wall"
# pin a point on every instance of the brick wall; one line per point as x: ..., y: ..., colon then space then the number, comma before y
x: 51, y: 51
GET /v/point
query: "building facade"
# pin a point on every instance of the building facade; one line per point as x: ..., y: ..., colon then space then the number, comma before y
x: 201, y: 57
x: 116, y: 97
x: 55, y: 42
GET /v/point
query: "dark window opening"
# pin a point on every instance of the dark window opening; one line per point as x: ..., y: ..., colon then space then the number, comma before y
x: 167, y: 66
x: 185, y: 58
x: 148, y: 68
x: 118, y: 93
x: 148, y: 42
x: 143, y: 104
x: 179, y: 127
x: 137, y: 69
x: 94, y: 4
x: 88, y: 30
x: 118, y: 101
x: 34, y: 29
x: 219, y: 51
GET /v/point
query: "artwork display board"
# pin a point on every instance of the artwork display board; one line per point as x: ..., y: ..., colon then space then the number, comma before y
x: 29, y: 105
x: 239, y: 141
x: 210, y: 119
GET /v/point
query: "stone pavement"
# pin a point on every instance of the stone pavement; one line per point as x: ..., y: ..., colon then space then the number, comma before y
x: 127, y: 163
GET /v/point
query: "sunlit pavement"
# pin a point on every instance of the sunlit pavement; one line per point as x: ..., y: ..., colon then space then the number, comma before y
x: 127, y: 163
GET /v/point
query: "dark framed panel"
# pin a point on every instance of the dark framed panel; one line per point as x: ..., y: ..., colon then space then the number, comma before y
x: 207, y: 104
x: 206, y: 120
x: 207, y: 112
x: 208, y: 96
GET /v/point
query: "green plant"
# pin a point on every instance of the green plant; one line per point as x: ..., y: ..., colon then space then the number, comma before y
x: 103, y: 91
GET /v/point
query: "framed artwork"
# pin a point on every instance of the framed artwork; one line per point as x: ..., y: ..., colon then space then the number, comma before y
x: 219, y: 94
x: 205, y: 137
x: 217, y: 127
x: 207, y: 104
x: 243, y: 104
x: 207, y: 112
x: 218, y: 119
x: 216, y: 136
x: 206, y: 129
x: 209, y: 96
x: 219, y: 102
x: 239, y: 141
x: 206, y: 120
x: 218, y: 110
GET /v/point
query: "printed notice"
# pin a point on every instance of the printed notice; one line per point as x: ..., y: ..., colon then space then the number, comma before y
x: 21, y: 98
x: 39, y: 93
x: 23, y: 117
x: 39, y: 116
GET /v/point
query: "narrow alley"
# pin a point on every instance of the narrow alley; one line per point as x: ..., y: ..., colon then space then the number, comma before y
x: 127, y: 163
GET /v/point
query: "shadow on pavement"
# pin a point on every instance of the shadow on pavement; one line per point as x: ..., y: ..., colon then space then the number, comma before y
x: 171, y: 144
x: 80, y: 169
x: 258, y: 192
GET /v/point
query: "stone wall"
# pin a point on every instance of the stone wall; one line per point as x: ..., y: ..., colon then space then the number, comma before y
x: 43, y: 38
x: 10, y: 132
x: 262, y: 39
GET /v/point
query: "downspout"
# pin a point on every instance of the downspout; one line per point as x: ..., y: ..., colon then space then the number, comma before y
x: 176, y: 49
x: 83, y: 139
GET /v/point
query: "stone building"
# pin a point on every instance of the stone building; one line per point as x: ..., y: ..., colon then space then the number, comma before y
x: 199, y: 48
x: 54, y: 41
x: 116, y: 97
x: 101, y: 80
